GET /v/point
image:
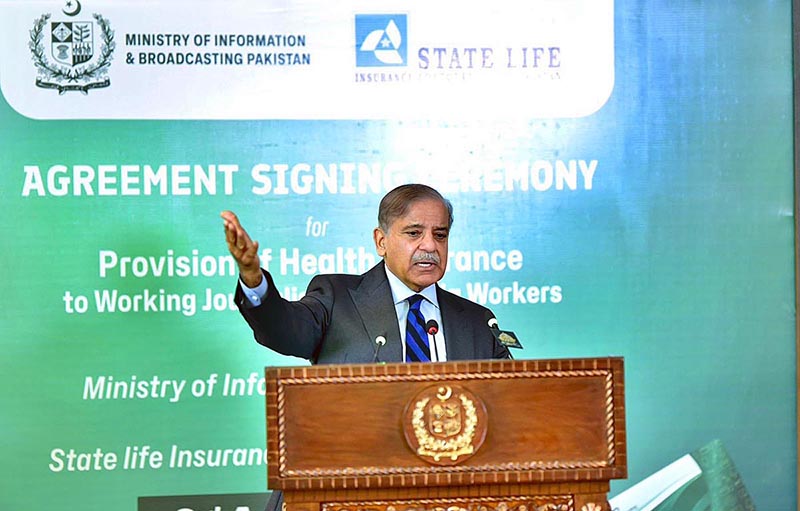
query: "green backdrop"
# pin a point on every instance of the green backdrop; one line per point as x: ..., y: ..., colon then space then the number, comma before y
x: 679, y: 257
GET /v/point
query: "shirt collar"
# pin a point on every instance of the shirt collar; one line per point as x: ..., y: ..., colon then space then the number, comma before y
x: 401, y: 292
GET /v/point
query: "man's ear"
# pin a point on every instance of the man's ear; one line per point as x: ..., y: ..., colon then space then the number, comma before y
x: 380, y: 241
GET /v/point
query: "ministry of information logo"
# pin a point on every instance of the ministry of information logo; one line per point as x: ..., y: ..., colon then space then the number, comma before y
x: 77, y: 64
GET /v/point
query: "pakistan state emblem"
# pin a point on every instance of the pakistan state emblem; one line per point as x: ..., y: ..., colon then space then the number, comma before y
x: 445, y: 424
x: 72, y: 53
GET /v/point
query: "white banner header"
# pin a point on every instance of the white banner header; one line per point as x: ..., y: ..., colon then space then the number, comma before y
x: 314, y: 59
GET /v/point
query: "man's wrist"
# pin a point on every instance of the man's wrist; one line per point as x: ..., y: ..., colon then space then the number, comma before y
x: 251, y: 279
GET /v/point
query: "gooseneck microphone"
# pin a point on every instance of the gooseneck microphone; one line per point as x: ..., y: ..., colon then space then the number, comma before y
x: 432, y: 327
x: 380, y: 341
x: 505, y: 338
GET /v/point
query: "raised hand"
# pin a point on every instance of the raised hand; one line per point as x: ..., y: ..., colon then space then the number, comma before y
x: 243, y: 249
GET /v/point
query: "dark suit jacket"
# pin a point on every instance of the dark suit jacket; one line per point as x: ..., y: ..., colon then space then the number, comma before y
x: 340, y: 316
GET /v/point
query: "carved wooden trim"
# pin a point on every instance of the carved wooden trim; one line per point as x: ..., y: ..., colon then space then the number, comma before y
x: 526, y: 503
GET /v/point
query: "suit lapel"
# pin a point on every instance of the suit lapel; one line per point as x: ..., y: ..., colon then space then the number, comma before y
x: 458, y: 337
x: 373, y: 301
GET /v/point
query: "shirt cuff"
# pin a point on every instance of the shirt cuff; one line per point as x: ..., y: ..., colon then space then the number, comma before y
x: 256, y: 294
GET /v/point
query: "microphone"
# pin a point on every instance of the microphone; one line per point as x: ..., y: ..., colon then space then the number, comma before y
x: 432, y: 327
x: 380, y: 341
x: 506, y: 338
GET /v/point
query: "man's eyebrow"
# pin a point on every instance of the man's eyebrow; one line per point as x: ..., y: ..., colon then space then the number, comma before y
x: 422, y: 226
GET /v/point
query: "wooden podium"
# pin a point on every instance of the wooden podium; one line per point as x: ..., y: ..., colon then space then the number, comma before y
x: 502, y: 435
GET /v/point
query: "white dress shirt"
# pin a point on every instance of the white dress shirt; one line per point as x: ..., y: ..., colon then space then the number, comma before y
x: 429, y: 308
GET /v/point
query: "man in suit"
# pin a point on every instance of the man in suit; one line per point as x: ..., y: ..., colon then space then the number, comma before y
x: 367, y: 318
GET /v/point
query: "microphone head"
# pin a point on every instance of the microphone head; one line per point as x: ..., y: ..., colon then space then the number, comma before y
x: 490, y: 319
x: 432, y: 327
x: 380, y: 340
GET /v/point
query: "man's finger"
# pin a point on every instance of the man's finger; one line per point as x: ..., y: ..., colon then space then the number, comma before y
x: 229, y: 216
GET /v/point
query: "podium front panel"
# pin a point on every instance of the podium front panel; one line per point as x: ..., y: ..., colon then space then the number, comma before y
x: 446, y: 424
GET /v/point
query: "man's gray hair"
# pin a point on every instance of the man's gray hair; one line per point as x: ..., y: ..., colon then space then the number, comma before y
x: 396, y: 203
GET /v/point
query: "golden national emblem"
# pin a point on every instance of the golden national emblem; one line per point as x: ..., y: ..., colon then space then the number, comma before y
x: 445, y: 424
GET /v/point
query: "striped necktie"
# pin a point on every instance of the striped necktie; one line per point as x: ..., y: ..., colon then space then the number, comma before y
x: 417, y: 348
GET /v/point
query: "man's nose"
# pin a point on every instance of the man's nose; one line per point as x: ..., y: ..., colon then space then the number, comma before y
x: 427, y: 243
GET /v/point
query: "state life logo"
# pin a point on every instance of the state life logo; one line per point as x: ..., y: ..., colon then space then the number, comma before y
x: 381, y: 40
x: 72, y: 52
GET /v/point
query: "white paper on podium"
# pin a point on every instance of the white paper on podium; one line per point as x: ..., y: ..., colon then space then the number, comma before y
x: 652, y: 491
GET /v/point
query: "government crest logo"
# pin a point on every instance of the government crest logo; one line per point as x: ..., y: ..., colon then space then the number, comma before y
x: 72, y: 52
x: 445, y: 425
x: 381, y: 40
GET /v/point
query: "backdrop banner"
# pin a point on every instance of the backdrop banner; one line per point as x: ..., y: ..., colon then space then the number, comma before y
x: 621, y: 174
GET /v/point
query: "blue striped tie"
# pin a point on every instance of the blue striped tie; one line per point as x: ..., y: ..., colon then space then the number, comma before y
x: 417, y: 348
